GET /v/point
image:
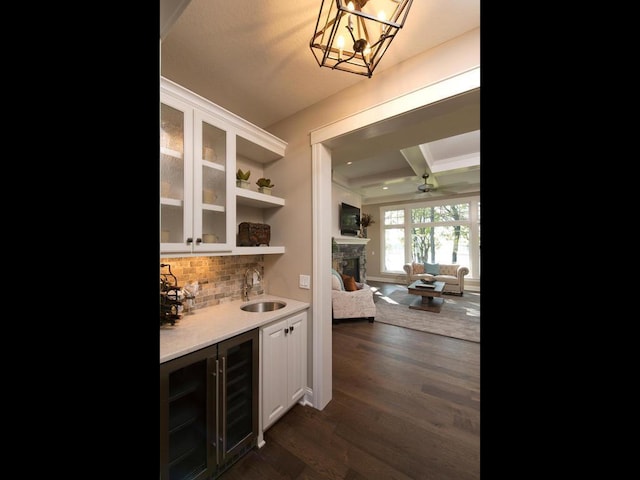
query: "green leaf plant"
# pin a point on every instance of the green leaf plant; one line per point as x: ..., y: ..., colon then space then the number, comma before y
x: 240, y: 175
x: 265, y: 182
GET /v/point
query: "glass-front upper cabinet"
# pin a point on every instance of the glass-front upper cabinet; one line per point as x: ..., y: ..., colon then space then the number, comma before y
x: 201, y: 146
x: 194, y: 180
x: 212, y: 184
x: 176, y: 123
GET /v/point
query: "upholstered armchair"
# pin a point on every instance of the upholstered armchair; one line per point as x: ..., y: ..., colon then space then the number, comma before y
x: 351, y: 304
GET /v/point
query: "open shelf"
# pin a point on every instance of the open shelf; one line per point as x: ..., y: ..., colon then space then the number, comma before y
x: 250, y: 198
x: 256, y: 250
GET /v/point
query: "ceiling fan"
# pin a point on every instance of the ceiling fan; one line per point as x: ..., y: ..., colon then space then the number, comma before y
x: 426, y: 187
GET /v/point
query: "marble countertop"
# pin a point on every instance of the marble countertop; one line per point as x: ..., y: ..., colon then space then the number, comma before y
x: 211, y: 325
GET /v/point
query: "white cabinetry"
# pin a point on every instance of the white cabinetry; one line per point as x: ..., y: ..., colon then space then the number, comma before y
x: 284, y: 361
x: 195, y: 190
x: 200, y: 206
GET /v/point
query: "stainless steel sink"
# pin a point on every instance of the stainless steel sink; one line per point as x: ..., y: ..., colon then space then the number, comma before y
x: 263, y: 306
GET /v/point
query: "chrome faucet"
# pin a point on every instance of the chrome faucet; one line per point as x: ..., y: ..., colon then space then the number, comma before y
x: 246, y: 288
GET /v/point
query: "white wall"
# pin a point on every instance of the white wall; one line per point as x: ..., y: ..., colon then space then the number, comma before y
x: 295, y: 174
x: 293, y: 221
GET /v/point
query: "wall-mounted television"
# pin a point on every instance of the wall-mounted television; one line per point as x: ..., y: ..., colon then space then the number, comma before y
x: 349, y: 219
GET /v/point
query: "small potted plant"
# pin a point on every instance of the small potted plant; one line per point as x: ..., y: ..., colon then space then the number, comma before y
x: 265, y: 185
x: 365, y: 220
x: 242, y: 178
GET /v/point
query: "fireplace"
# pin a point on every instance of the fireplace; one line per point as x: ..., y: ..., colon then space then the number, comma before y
x: 350, y: 259
x: 351, y: 266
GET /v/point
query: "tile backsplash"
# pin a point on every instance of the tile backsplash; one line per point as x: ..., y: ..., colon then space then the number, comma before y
x: 220, y: 279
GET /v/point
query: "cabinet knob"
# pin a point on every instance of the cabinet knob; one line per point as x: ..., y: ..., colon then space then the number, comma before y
x: 189, y: 240
x: 291, y: 328
x: 286, y: 330
x: 198, y: 241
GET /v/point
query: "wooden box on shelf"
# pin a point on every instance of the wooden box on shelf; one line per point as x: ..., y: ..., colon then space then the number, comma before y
x: 253, y: 234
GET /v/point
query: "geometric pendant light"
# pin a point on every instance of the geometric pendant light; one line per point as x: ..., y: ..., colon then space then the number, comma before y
x: 353, y: 35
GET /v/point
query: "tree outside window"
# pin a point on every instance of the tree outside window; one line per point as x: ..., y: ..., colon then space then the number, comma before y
x: 435, y: 242
x: 433, y: 233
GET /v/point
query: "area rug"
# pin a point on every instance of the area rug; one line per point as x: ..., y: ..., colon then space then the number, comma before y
x: 459, y: 317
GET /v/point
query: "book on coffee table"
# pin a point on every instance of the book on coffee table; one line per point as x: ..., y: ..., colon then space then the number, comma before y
x: 425, y: 285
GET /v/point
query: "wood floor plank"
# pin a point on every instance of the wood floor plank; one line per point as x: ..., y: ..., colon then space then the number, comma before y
x: 353, y: 459
x: 405, y: 405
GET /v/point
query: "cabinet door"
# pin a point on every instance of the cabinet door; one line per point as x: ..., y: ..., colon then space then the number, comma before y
x: 213, y: 177
x: 296, y: 357
x: 197, y: 175
x: 186, y: 417
x: 274, y: 372
x: 176, y: 146
x: 238, y: 359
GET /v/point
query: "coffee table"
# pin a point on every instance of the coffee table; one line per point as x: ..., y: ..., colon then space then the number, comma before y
x: 430, y: 297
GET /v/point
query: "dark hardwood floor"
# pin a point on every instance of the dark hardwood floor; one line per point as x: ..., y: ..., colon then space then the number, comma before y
x: 406, y: 405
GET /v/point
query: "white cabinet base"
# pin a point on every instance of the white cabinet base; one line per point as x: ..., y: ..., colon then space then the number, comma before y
x: 284, y: 366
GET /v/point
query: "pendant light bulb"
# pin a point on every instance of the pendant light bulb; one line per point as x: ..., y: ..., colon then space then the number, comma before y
x: 340, y: 44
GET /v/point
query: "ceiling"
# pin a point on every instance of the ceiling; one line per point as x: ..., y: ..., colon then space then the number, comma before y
x: 253, y: 58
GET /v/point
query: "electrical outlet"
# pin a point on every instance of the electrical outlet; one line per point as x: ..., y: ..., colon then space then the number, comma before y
x: 305, y: 281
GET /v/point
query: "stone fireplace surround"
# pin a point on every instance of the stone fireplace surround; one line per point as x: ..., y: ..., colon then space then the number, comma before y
x: 345, y: 248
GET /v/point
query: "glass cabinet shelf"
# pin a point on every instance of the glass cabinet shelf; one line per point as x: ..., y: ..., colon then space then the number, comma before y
x: 171, y: 202
x: 217, y: 166
x: 171, y: 153
x: 213, y: 208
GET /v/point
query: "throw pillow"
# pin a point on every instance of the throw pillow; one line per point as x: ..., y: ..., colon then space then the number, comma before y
x: 337, y: 275
x: 349, y: 283
x: 418, y: 268
x: 432, y: 268
x: 336, y: 283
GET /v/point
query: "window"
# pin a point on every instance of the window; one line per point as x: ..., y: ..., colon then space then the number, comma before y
x: 431, y: 232
x: 393, y: 239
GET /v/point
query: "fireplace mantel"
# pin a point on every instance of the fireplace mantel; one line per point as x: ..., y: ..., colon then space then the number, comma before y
x: 351, y: 240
